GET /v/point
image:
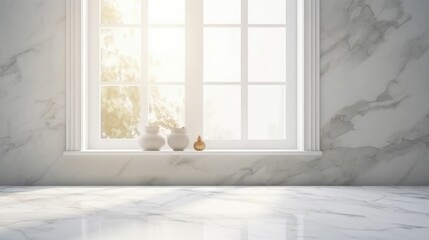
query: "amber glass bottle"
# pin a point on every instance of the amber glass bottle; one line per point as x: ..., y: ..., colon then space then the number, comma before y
x: 199, y: 145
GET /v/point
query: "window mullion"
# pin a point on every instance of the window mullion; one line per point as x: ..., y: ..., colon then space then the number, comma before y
x: 194, y: 68
x: 144, y: 108
x: 244, y: 72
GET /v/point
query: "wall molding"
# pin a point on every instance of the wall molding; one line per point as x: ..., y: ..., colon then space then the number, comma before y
x: 74, y: 74
x: 309, y: 33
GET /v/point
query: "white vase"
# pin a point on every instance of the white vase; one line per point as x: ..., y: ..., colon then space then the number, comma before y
x: 151, y: 140
x: 178, y: 139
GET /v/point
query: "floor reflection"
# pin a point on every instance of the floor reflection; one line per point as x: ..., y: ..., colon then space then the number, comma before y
x: 162, y: 228
x: 144, y: 213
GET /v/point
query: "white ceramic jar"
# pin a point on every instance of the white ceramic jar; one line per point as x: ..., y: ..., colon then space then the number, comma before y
x: 178, y: 139
x: 151, y: 140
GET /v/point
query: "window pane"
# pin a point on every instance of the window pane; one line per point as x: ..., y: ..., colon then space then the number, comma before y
x: 120, y: 11
x: 222, y: 11
x: 266, y: 112
x: 222, y: 55
x: 267, y: 11
x: 166, y: 11
x: 120, y: 112
x: 267, y: 55
x: 222, y: 112
x: 120, y: 55
x: 166, y: 54
x: 167, y: 106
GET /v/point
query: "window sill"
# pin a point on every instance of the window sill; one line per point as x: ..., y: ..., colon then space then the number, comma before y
x: 287, y: 154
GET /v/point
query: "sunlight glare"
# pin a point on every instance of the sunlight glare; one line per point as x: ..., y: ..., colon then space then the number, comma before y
x: 166, y: 54
x: 166, y: 12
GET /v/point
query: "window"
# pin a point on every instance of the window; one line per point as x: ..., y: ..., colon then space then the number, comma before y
x: 233, y: 71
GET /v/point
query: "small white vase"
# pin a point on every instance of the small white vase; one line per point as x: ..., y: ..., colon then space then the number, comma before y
x: 151, y: 140
x: 178, y: 139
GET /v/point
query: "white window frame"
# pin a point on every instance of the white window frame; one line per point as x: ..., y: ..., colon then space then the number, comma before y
x: 307, y: 77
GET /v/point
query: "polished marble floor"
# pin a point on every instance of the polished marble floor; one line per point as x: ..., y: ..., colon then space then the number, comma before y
x: 214, y: 213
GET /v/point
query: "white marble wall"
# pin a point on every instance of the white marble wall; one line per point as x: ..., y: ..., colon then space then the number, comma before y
x: 375, y: 106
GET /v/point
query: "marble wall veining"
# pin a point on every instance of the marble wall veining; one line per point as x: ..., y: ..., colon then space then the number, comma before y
x: 374, y: 106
